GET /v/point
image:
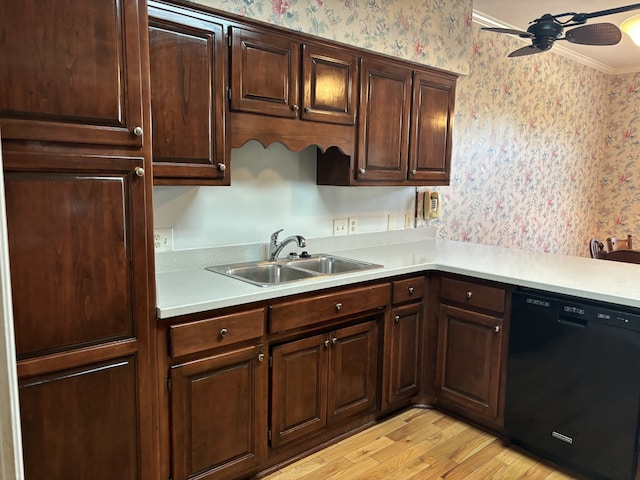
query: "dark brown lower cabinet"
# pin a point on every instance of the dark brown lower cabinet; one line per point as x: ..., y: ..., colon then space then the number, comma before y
x: 81, y: 422
x: 321, y: 380
x: 403, y: 358
x: 470, y: 347
x: 218, y: 415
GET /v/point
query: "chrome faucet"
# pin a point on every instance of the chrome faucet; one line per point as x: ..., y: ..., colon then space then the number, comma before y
x: 275, y: 248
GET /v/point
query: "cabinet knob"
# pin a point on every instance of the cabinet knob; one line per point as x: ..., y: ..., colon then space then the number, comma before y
x: 362, y: 170
x: 307, y: 109
x: 326, y: 343
x: 137, y: 131
x: 139, y: 171
x: 222, y: 167
x: 396, y: 319
x: 334, y: 340
x: 223, y: 332
x: 261, y: 357
x: 496, y: 328
x: 414, y: 171
x: 410, y: 290
x: 338, y: 306
x: 469, y: 294
x: 295, y: 107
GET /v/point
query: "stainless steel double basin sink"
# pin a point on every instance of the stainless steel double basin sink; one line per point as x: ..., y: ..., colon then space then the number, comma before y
x: 266, y: 273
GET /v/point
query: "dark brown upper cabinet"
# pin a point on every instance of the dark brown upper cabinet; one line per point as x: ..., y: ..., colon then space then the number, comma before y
x: 288, y: 79
x: 63, y: 93
x: 383, y: 124
x: 188, y: 83
x: 431, y: 128
x: 404, y: 128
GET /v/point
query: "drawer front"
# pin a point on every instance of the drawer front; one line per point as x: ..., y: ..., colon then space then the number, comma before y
x: 473, y: 294
x: 321, y: 308
x: 202, y: 335
x: 407, y: 290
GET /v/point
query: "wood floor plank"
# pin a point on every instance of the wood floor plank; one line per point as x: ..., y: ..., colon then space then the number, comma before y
x: 421, y: 444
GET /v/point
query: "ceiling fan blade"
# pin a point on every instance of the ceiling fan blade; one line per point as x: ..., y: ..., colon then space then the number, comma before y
x: 510, y: 31
x: 528, y: 50
x: 594, y: 34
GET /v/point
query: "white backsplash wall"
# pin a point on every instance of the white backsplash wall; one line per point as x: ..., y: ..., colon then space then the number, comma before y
x: 271, y: 189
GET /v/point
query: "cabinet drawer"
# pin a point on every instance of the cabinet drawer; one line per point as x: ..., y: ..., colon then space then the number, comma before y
x: 202, y: 335
x: 473, y: 294
x: 407, y: 290
x: 300, y: 313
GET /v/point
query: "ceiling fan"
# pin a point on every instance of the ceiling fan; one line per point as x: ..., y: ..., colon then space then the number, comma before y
x: 544, y: 31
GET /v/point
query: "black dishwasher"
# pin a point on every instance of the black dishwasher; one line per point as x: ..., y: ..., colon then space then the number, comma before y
x: 573, y: 382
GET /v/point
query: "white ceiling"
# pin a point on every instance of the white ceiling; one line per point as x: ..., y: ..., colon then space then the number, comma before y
x: 621, y: 58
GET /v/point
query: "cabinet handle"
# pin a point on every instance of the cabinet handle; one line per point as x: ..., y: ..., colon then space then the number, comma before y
x: 496, y: 328
x: 338, y: 306
x: 295, y: 107
x: 410, y: 290
x: 334, y: 340
x: 361, y: 170
x: 137, y: 131
x: 469, y: 294
x: 222, y: 167
x: 326, y: 343
x: 139, y: 171
x: 223, y: 332
x: 261, y: 357
x: 397, y: 318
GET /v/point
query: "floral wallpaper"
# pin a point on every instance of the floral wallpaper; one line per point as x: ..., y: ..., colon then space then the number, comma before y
x: 544, y: 152
x: 618, y: 204
x: 433, y: 32
x: 528, y: 140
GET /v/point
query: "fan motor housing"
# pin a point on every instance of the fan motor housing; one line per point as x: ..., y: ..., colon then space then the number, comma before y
x: 545, y: 31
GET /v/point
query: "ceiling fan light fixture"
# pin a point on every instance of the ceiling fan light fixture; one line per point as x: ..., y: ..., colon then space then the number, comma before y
x: 631, y: 26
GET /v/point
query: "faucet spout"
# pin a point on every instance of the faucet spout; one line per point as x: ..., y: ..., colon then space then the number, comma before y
x: 275, y: 248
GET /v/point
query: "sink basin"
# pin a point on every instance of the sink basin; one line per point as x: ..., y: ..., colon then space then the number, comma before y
x: 265, y: 274
x: 329, y: 264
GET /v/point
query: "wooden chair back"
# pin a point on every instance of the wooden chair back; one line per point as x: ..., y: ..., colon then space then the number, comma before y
x: 596, y: 248
x: 614, y: 243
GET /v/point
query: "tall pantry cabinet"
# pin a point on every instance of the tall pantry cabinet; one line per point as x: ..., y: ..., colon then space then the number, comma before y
x: 75, y: 122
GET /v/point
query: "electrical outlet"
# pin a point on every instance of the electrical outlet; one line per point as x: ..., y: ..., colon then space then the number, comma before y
x: 340, y: 226
x: 408, y: 220
x: 163, y: 239
x: 391, y: 222
x: 353, y: 225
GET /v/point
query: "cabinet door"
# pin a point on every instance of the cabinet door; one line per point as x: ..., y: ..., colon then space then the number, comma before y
x: 469, y: 360
x: 353, y: 371
x: 383, y: 122
x: 187, y: 55
x: 51, y: 86
x: 403, y: 340
x: 330, y: 79
x: 264, y: 73
x: 431, y: 127
x: 299, y: 389
x: 81, y: 423
x: 77, y: 244
x: 218, y: 415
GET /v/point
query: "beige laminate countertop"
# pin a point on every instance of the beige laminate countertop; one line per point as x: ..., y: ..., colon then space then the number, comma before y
x: 193, y: 289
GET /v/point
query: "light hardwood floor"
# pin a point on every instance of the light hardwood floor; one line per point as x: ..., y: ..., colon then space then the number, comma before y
x: 420, y: 444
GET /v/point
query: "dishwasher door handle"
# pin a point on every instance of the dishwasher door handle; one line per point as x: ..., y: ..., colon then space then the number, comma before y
x: 573, y: 322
